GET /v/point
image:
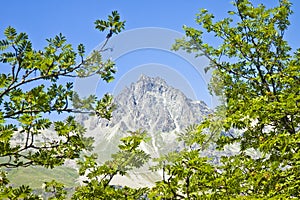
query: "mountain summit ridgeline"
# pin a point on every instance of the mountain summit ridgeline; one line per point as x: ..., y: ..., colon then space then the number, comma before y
x: 152, y: 105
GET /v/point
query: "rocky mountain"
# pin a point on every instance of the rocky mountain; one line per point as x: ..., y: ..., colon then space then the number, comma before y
x: 152, y: 105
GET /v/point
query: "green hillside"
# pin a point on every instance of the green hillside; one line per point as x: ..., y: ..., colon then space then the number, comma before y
x: 36, y: 176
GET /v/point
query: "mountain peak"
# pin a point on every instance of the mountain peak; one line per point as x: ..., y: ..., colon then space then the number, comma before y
x: 145, y: 78
x: 151, y: 104
x: 147, y: 83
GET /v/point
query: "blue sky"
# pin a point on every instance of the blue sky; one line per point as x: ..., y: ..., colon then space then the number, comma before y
x: 75, y: 18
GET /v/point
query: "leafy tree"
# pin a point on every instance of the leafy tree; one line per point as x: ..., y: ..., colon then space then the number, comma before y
x: 255, y: 73
x: 187, y: 174
x: 98, y: 186
x: 258, y: 80
x: 36, y: 83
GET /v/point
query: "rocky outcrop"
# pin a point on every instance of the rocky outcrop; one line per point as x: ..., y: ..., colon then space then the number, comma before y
x: 151, y: 104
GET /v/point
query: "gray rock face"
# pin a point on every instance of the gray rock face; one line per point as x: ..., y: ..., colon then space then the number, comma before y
x: 152, y: 105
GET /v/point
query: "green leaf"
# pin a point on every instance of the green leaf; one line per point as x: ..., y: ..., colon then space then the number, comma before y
x: 10, y: 33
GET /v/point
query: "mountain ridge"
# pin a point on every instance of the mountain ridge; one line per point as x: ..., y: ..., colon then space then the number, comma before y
x: 153, y: 105
x: 150, y: 105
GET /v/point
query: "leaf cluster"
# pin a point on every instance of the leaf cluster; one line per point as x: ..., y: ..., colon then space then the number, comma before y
x: 256, y: 75
x: 99, y: 177
x: 36, y: 86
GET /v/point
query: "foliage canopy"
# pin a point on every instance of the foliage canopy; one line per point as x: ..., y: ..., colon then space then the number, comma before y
x: 255, y: 74
x: 33, y: 86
